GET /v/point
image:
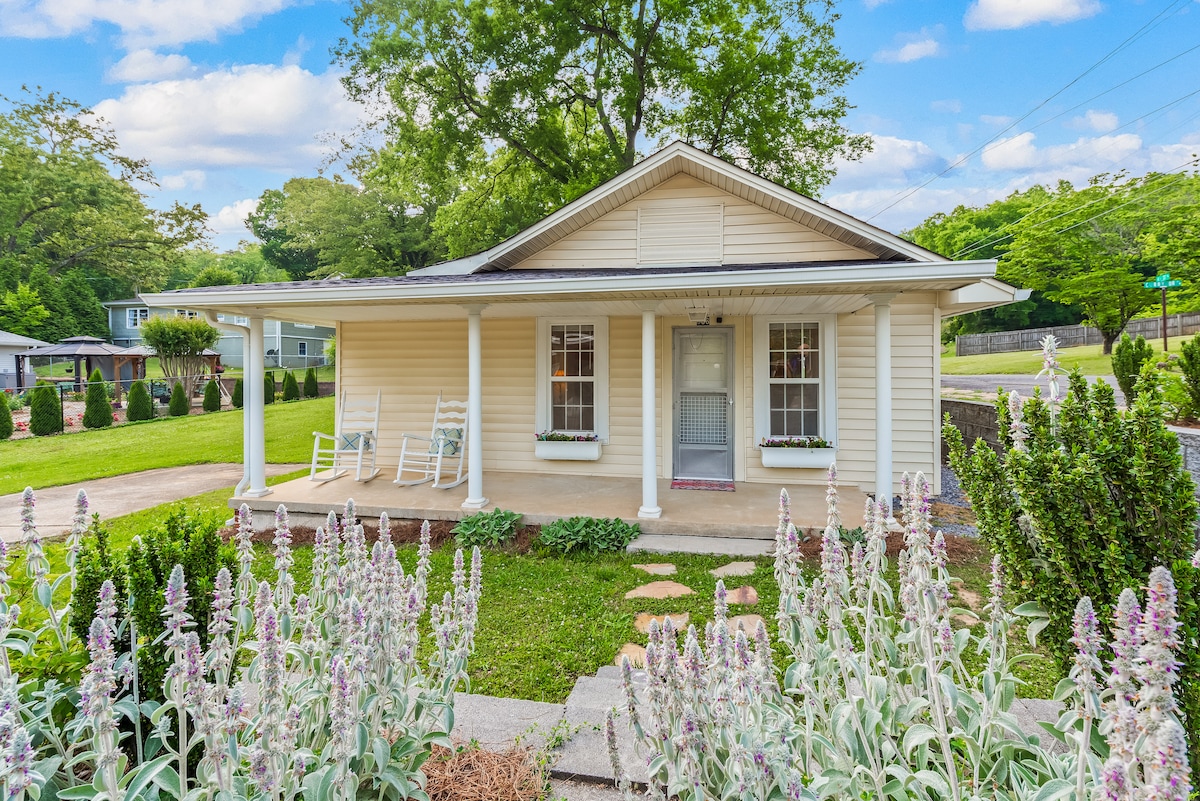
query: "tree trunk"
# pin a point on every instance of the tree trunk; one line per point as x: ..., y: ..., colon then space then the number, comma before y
x: 1109, y: 339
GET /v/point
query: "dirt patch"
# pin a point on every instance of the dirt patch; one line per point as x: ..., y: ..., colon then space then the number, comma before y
x: 944, y: 513
x: 471, y: 774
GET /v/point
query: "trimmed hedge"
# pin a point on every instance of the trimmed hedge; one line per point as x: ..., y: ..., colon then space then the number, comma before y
x: 45, y: 410
x: 268, y: 388
x: 291, y: 390
x: 236, y: 400
x: 311, y: 389
x: 140, y: 405
x: 179, y: 405
x: 6, y: 421
x: 212, y: 396
x: 97, y: 411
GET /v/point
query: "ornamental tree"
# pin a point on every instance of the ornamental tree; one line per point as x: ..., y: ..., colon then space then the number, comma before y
x: 179, y: 404
x: 179, y: 342
x: 45, y: 410
x: 311, y: 388
x: 140, y: 405
x: 291, y: 389
x: 212, y: 396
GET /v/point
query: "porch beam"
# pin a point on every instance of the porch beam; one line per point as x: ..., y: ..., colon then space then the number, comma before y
x: 883, y: 399
x: 475, y: 497
x: 254, y: 430
x: 650, y: 507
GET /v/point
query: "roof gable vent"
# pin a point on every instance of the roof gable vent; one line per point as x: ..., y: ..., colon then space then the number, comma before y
x: 681, y: 234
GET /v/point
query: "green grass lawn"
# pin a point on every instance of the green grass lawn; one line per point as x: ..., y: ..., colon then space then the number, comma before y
x: 153, y: 370
x: 1087, y: 358
x: 165, y: 442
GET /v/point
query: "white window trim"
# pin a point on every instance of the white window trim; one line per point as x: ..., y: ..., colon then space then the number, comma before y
x: 600, y: 380
x: 302, y: 348
x: 828, y: 425
x: 134, y: 316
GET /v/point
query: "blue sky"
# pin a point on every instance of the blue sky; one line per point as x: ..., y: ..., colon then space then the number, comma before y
x: 227, y: 98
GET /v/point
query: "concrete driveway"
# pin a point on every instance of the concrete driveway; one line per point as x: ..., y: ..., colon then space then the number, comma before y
x: 122, y: 495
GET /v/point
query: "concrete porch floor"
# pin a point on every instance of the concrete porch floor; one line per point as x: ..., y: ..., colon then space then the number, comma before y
x: 751, y: 511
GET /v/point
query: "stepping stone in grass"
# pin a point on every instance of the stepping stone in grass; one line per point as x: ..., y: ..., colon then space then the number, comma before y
x: 635, y: 652
x: 733, y: 569
x: 662, y: 589
x: 749, y: 621
x: 662, y: 569
x: 679, y: 621
x: 742, y: 596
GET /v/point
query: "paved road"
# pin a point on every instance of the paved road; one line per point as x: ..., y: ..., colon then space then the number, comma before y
x: 122, y: 495
x: 1023, y: 384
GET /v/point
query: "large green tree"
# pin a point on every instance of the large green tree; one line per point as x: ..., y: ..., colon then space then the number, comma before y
x: 351, y: 230
x: 179, y: 342
x: 512, y: 108
x: 68, y: 198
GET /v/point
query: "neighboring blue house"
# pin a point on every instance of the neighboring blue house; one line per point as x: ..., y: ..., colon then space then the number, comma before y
x: 288, y: 345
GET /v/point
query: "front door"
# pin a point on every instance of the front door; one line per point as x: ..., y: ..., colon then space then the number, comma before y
x: 703, y: 403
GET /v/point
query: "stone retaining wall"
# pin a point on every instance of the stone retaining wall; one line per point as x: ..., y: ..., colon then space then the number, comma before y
x: 978, y: 421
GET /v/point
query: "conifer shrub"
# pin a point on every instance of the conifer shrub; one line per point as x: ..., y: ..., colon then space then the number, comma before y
x: 291, y: 389
x: 97, y: 411
x: 1083, y: 501
x: 236, y: 399
x: 140, y: 405
x: 1189, y: 365
x: 268, y: 388
x: 179, y: 404
x: 45, y: 410
x: 1127, y: 360
x: 212, y: 396
x: 6, y: 421
x: 311, y: 389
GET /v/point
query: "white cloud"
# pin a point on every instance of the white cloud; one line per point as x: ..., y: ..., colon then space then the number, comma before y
x: 253, y: 115
x: 141, y: 22
x: 946, y: 106
x: 188, y: 179
x: 991, y: 15
x: 913, y: 51
x: 231, y: 219
x: 1095, y: 154
x: 913, y: 46
x: 892, y: 161
x: 1098, y: 121
x: 873, y: 4
x: 910, y: 211
x: 146, y: 65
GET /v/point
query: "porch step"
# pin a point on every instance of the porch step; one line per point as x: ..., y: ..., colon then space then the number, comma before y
x: 686, y: 543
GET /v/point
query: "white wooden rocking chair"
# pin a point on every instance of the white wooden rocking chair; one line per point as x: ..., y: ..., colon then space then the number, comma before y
x: 442, y: 452
x: 352, y: 445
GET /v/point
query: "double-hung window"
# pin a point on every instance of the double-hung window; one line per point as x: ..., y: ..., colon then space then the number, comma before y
x: 794, y: 387
x: 572, y: 388
x: 135, y: 317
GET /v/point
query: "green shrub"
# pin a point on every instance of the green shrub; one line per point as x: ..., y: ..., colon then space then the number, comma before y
x: 17, y: 401
x: 6, y: 421
x: 179, y: 405
x: 236, y: 400
x: 187, y: 538
x: 45, y: 410
x: 1189, y: 365
x: 212, y: 396
x: 291, y: 389
x: 140, y: 405
x: 311, y: 389
x: 588, y: 534
x: 96, y: 565
x: 268, y: 388
x: 1086, y: 502
x: 486, y: 529
x: 97, y: 413
x: 1127, y: 359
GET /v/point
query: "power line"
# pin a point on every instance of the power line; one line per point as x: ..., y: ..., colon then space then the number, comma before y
x: 1139, y: 33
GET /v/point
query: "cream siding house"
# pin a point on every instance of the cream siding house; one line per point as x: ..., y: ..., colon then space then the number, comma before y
x: 682, y: 313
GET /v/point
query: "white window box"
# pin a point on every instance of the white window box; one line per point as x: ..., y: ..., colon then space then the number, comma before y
x: 572, y: 451
x: 798, y: 457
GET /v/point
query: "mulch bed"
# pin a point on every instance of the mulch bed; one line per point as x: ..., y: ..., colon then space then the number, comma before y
x: 404, y: 532
x: 959, y: 549
x: 471, y: 774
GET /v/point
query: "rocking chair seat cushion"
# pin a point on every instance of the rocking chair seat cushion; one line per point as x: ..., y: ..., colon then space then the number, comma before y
x: 448, y: 440
x: 349, y: 442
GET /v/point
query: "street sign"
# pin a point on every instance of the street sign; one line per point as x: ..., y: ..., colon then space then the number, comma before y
x: 1163, y: 282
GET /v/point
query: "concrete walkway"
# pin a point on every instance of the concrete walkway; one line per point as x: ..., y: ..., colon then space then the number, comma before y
x: 121, y: 495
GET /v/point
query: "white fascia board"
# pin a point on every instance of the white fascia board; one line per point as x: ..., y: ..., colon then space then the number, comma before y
x: 855, y: 277
x: 986, y: 294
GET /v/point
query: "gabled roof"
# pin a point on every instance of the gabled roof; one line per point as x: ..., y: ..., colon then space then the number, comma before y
x: 675, y: 159
x: 9, y: 339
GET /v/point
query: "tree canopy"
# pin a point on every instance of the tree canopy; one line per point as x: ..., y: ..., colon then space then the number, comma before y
x: 499, y: 113
x: 179, y: 342
x: 1085, y: 250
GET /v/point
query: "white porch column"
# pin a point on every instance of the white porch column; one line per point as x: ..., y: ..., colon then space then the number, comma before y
x: 650, y: 507
x: 475, y: 498
x: 253, y: 378
x: 883, y: 399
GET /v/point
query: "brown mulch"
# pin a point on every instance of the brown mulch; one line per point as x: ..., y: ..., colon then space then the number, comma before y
x: 959, y: 549
x: 404, y: 532
x: 471, y: 774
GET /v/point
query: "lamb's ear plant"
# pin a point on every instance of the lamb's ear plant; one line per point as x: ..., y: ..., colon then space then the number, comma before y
x: 324, y: 695
x: 877, y: 699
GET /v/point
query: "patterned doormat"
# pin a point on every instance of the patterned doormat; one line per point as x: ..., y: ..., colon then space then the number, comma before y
x: 716, y: 485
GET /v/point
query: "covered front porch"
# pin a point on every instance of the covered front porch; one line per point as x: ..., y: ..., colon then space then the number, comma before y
x: 751, y: 511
